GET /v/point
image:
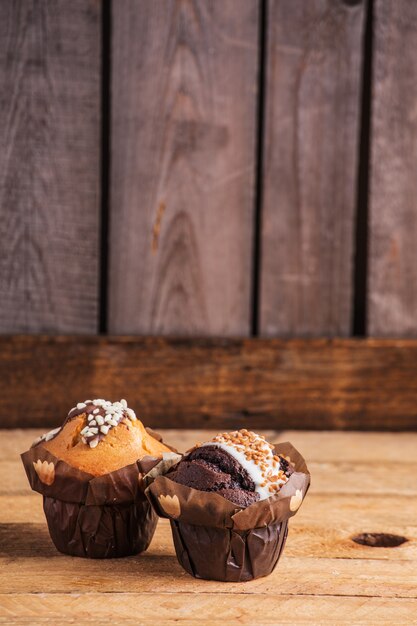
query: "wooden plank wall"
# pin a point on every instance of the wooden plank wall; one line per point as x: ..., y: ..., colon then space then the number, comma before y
x: 49, y: 166
x: 209, y: 168
x: 184, y: 97
x: 191, y: 167
x: 312, y: 118
x: 393, y: 211
x: 345, y: 384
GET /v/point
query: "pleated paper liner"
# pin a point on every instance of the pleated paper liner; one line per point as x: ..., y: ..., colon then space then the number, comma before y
x: 96, y: 516
x: 217, y: 540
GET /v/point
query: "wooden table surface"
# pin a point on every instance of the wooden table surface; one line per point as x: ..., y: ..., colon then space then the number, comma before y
x: 360, y: 483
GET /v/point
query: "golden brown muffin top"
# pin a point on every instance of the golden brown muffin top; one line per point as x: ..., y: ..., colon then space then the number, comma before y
x: 103, y: 440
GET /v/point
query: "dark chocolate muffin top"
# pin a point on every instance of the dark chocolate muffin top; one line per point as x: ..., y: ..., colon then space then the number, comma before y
x: 241, y: 466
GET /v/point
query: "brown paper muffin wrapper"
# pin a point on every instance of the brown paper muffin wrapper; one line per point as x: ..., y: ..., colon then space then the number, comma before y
x: 217, y: 540
x: 96, y: 516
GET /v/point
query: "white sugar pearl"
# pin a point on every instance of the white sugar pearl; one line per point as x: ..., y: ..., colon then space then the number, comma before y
x: 81, y: 405
x: 93, y: 443
x: 104, y: 429
x: 100, y: 420
x: 131, y: 414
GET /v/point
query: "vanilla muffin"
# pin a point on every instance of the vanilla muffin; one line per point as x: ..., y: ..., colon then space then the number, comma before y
x: 99, y: 437
x: 92, y: 473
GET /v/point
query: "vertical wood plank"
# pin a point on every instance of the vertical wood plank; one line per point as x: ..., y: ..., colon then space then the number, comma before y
x: 49, y: 165
x: 310, y: 162
x: 392, y: 301
x: 184, y: 93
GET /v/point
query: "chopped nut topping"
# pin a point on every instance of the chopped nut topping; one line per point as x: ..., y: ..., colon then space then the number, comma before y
x: 258, y: 451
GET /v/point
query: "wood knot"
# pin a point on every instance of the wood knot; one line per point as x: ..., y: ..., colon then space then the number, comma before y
x: 379, y: 540
x: 157, y: 226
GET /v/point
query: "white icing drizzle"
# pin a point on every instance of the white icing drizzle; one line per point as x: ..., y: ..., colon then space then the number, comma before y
x: 46, y: 437
x: 256, y: 456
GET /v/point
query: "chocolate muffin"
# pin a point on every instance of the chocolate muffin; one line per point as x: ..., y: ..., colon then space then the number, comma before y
x: 240, y: 466
x: 92, y: 472
x: 229, y: 501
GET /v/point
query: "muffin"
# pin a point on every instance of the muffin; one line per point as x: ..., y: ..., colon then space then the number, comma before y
x: 92, y: 472
x: 240, y: 466
x: 229, y: 501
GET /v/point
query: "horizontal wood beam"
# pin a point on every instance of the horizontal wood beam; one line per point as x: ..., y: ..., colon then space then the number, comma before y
x: 353, y: 384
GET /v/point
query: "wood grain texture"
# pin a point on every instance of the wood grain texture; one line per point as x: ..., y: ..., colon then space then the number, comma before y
x: 182, y: 184
x: 385, y: 578
x: 49, y: 165
x: 313, y: 81
x: 205, y: 609
x: 392, y: 295
x: 363, y: 585
x: 258, y: 383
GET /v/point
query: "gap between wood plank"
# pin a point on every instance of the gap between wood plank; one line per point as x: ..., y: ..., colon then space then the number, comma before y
x: 360, y: 265
x: 257, y: 239
x: 86, y: 594
x: 105, y: 148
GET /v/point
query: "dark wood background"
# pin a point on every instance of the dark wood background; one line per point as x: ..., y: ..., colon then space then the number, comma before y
x: 209, y: 168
